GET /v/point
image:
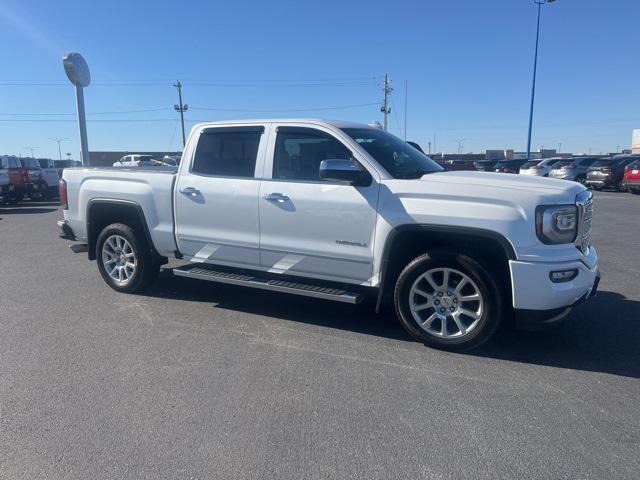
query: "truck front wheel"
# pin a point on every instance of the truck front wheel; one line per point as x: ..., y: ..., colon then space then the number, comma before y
x: 448, y: 300
x: 124, y: 261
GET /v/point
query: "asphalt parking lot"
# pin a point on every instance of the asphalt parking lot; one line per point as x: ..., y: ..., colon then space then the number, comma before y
x: 196, y: 380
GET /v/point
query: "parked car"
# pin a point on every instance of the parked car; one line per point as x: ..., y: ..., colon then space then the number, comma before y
x: 6, y: 187
x: 457, y: 165
x: 36, y: 187
x: 539, y: 168
x: 608, y: 172
x: 485, y: 165
x: 137, y: 161
x: 574, y: 169
x: 509, y: 166
x: 60, y: 165
x: 334, y: 210
x: 18, y: 176
x: 50, y: 176
x: 631, y: 179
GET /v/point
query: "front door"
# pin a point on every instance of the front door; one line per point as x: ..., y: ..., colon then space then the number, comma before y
x: 311, y: 227
x: 217, y: 198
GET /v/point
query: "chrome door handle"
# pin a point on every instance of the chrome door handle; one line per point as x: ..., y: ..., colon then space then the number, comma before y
x: 190, y: 191
x: 276, y: 197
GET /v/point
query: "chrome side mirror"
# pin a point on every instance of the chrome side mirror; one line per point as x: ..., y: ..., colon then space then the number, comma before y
x: 344, y: 171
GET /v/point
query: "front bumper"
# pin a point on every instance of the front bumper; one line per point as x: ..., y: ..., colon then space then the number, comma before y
x: 539, y: 301
x: 630, y: 184
x: 600, y: 182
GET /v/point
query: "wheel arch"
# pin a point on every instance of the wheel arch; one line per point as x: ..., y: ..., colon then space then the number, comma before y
x: 406, y: 242
x: 102, y: 212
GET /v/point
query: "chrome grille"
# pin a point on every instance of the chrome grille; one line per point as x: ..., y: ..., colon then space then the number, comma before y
x: 584, y: 202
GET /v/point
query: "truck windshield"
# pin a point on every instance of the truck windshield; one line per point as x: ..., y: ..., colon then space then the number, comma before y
x: 397, y: 157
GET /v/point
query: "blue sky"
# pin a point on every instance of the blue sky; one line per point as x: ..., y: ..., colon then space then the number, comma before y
x: 467, y: 64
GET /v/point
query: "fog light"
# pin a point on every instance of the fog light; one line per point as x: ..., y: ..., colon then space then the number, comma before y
x: 562, y: 276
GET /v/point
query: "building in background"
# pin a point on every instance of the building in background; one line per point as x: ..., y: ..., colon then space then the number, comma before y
x: 494, y: 154
x: 635, y: 141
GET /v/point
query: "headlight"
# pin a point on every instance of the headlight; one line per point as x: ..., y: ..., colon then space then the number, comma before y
x: 557, y: 224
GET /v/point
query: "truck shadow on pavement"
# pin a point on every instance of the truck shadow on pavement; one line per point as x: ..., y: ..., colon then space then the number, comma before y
x: 29, y: 208
x: 602, y: 335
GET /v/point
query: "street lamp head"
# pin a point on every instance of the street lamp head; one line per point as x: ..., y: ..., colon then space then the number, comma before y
x: 76, y: 69
x: 542, y: 2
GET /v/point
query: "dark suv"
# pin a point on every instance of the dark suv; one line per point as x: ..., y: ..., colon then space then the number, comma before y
x: 608, y: 172
x: 509, y: 166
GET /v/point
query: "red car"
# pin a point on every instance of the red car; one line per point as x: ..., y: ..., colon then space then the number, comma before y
x: 18, y: 176
x: 631, y: 179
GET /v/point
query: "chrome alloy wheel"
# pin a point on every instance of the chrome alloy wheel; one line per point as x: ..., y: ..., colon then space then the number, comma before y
x: 118, y: 259
x: 446, y: 303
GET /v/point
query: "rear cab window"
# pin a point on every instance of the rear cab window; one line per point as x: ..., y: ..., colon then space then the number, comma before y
x: 227, y: 151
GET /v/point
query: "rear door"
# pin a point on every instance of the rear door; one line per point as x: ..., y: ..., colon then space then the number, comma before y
x: 309, y: 226
x: 216, y: 198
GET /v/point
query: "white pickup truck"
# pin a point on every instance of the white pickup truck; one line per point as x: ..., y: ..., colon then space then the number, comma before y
x: 335, y: 210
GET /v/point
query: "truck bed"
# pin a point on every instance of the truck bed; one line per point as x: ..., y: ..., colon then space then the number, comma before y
x: 150, y: 188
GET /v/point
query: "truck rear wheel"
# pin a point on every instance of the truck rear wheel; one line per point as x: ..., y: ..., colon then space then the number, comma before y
x: 448, y: 300
x: 124, y: 260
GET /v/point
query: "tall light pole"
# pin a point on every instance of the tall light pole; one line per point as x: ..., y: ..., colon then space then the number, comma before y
x: 535, y: 69
x: 77, y: 70
x: 460, y: 148
x: 59, y: 141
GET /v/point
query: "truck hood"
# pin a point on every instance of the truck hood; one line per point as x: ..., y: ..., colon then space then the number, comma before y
x: 504, y: 184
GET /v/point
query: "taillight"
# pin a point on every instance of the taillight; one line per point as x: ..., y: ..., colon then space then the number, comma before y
x: 62, y: 190
x: 25, y: 175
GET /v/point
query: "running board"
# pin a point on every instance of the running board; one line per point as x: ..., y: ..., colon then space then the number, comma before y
x: 201, y: 272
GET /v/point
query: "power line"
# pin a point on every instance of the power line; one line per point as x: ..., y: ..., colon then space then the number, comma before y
x: 90, y: 113
x: 338, y: 107
x: 360, y: 81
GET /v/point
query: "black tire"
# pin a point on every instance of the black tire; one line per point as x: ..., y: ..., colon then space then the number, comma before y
x: 15, y: 198
x: 146, y: 266
x: 635, y: 191
x: 491, y: 312
x: 581, y: 179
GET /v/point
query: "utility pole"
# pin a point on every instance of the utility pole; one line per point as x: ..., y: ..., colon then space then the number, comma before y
x: 460, y: 147
x: 59, y: 140
x: 559, y: 147
x: 386, y: 109
x: 429, y: 148
x: 31, y: 149
x: 180, y: 107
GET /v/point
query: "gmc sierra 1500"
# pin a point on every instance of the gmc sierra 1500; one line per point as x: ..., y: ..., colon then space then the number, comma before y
x: 333, y: 210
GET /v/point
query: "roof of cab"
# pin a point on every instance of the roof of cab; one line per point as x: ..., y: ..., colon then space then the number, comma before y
x: 316, y: 121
